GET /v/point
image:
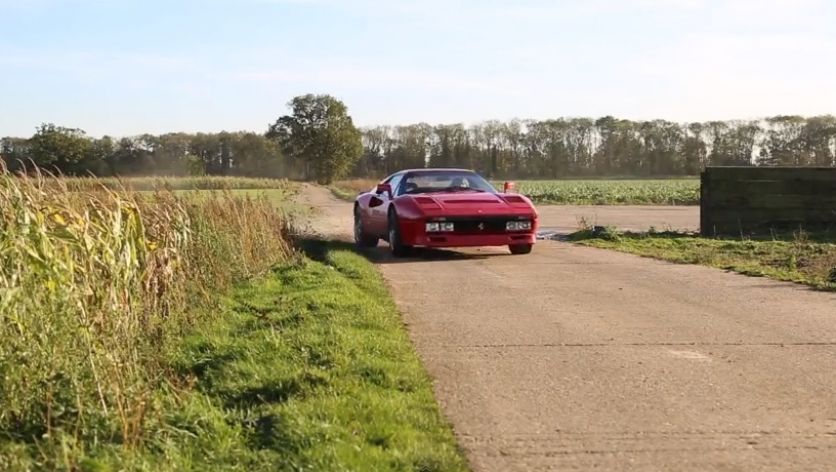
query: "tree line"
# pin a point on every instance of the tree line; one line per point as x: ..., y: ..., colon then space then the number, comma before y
x: 72, y: 152
x: 318, y: 141
x: 608, y: 146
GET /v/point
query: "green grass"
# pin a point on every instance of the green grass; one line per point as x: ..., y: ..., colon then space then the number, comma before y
x: 308, y: 368
x: 315, y: 368
x: 611, y: 192
x: 801, y: 258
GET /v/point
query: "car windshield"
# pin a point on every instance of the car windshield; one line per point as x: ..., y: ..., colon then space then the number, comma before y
x: 444, y: 181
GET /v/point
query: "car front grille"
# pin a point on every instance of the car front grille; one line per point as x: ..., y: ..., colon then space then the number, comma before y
x: 479, y: 225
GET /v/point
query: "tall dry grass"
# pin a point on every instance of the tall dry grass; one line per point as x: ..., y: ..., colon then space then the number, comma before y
x: 93, y: 287
x: 348, y: 189
x: 357, y: 185
x: 207, y: 182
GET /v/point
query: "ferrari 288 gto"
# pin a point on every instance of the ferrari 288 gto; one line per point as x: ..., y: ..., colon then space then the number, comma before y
x: 437, y: 208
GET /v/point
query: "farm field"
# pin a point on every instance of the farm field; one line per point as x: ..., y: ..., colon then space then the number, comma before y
x: 611, y: 192
x: 579, y: 192
x: 187, y: 330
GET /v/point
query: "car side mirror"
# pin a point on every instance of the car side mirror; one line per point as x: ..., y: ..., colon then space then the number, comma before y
x: 384, y: 188
x: 508, y: 187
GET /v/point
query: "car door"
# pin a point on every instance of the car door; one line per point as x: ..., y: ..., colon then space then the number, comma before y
x: 379, y: 207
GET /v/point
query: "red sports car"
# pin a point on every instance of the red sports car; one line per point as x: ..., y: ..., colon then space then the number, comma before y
x: 443, y: 208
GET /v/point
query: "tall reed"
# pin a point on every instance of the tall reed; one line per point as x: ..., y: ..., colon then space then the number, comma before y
x: 207, y: 182
x: 95, y: 284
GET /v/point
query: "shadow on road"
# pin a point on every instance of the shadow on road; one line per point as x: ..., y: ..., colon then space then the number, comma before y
x: 318, y: 248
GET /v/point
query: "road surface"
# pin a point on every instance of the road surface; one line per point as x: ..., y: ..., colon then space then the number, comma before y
x: 575, y: 358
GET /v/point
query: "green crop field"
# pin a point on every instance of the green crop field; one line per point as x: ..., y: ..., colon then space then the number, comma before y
x: 611, y: 192
x: 579, y: 192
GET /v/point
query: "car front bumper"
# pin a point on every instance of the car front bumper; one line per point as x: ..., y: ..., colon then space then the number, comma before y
x: 414, y: 234
x: 471, y: 240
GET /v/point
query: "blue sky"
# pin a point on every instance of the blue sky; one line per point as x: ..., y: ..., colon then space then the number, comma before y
x: 127, y: 67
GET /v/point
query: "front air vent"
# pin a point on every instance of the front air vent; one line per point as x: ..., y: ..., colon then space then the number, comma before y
x: 425, y: 201
x: 468, y: 202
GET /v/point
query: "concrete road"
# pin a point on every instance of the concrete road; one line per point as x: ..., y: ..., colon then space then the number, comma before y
x: 575, y: 358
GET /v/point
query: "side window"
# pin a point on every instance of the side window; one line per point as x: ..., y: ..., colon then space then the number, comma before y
x: 395, y: 182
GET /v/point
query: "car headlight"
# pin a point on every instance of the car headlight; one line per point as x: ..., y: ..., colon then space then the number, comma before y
x: 439, y: 226
x: 524, y: 225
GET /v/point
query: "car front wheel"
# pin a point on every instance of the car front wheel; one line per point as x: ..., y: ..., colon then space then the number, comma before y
x: 395, y: 243
x: 360, y: 236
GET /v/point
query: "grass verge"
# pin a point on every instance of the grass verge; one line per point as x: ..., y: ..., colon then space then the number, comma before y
x: 802, y: 258
x: 311, y: 369
x: 305, y: 368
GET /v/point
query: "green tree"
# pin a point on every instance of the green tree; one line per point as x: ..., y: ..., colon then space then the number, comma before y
x: 207, y: 148
x: 412, y: 146
x: 819, y: 137
x: 255, y: 155
x: 373, y: 162
x: 60, y: 149
x: 171, y: 151
x: 784, y: 144
x: 321, y: 134
x: 695, y: 152
x: 98, y: 156
x: 132, y: 156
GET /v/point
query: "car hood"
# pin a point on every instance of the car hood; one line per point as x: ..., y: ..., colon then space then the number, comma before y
x: 473, y: 203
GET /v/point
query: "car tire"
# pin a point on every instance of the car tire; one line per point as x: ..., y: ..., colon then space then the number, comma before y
x: 397, y: 247
x: 362, y: 239
x: 520, y: 248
